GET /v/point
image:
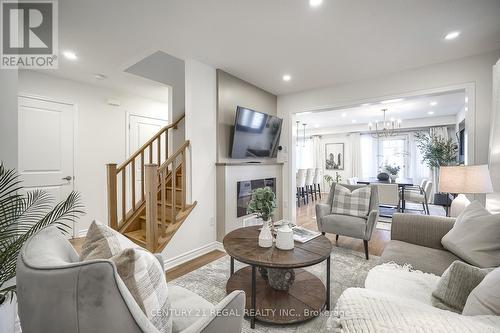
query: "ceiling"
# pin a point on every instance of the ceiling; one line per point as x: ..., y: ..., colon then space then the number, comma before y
x: 418, y: 107
x: 261, y: 40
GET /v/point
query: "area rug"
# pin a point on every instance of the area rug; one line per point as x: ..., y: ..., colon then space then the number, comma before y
x: 348, y: 269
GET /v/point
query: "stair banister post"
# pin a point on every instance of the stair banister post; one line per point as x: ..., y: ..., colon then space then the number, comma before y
x: 151, y: 195
x: 112, y: 195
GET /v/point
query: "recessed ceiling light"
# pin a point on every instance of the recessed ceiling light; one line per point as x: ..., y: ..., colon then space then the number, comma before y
x: 99, y: 76
x: 366, y: 104
x: 354, y: 121
x: 433, y: 103
x: 452, y: 35
x: 303, y: 113
x: 344, y: 114
x: 395, y: 100
x: 315, y: 3
x: 287, y: 77
x: 70, y: 55
x: 466, y: 99
x: 430, y: 113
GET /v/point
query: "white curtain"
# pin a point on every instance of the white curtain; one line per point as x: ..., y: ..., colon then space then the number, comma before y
x: 368, y: 156
x: 305, y: 154
x: 355, y: 144
x: 317, y: 156
x: 441, y: 131
x: 418, y: 170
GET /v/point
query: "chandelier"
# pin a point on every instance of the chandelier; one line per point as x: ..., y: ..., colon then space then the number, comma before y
x: 384, y: 128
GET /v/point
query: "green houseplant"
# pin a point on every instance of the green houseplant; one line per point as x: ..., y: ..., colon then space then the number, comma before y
x: 436, y: 151
x: 262, y: 203
x: 21, y: 216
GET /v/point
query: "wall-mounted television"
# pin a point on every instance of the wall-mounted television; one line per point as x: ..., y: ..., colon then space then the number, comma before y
x: 256, y: 134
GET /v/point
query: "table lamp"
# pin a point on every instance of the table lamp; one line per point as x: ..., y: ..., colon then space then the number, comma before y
x: 461, y: 180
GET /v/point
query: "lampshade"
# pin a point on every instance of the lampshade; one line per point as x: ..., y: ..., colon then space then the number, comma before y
x: 465, y: 179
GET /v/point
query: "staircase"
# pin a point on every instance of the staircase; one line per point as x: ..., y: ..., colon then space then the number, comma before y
x: 147, y: 192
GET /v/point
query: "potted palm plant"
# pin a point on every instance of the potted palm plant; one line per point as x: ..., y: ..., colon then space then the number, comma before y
x: 21, y: 216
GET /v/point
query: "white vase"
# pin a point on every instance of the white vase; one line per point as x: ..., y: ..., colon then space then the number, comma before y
x: 284, y: 238
x: 265, y: 236
x: 393, y: 177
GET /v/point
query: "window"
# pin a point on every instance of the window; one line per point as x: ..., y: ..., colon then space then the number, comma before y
x: 394, y: 151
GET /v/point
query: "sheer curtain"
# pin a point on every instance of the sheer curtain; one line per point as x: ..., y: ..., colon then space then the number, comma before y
x: 356, y: 164
x: 368, y: 156
x: 305, y: 154
x: 418, y: 170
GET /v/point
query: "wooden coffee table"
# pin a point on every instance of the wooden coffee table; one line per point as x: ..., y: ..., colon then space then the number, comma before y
x: 306, y: 297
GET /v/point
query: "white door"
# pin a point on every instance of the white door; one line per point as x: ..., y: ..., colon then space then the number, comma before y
x: 141, y: 129
x: 46, y: 146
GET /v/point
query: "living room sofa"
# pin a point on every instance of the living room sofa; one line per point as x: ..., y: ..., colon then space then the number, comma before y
x: 416, y: 240
x: 398, y: 293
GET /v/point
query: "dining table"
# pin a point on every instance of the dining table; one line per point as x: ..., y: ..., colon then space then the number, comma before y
x: 401, y: 182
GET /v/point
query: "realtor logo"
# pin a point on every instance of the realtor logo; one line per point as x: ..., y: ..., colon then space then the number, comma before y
x: 29, y: 34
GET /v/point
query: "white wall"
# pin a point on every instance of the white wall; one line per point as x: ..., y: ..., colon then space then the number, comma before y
x: 8, y: 117
x: 197, y: 233
x: 100, y: 133
x: 476, y: 69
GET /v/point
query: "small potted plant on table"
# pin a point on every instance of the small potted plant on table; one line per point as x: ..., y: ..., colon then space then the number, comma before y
x: 393, y: 171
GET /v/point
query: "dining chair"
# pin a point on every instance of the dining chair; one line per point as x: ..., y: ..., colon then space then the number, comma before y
x: 421, y: 196
x: 301, y: 184
x: 388, y: 195
x: 317, y: 181
x: 309, y: 183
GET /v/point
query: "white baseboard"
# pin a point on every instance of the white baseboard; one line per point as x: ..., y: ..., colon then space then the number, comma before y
x: 193, y: 254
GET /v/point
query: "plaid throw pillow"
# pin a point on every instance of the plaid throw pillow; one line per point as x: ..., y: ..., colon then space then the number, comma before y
x: 143, y: 276
x: 355, y: 203
x: 102, y: 242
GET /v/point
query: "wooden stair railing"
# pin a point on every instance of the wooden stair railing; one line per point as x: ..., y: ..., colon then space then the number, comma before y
x: 161, y: 210
x: 155, y: 150
x: 150, y: 213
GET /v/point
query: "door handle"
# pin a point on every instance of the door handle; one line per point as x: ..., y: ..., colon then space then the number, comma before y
x: 68, y: 178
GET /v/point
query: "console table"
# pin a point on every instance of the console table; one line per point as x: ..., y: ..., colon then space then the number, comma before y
x: 305, y: 298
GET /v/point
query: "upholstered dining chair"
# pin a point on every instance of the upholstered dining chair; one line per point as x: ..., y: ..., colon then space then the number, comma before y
x: 317, y: 181
x: 346, y: 225
x: 301, y: 186
x: 388, y: 195
x: 58, y: 293
x: 420, y: 196
x: 310, y: 183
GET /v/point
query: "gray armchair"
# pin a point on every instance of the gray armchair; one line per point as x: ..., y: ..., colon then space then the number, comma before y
x: 58, y: 293
x: 345, y: 225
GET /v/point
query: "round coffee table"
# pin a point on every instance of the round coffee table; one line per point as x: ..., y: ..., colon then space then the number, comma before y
x: 305, y: 298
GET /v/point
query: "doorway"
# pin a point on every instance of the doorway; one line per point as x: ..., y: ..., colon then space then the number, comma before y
x: 46, y: 146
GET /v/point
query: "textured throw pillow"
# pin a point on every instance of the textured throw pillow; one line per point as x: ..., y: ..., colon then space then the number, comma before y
x: 455, y: 285
x: 102, y: 242
x: 143, y: 276
x: 355, y: 203
x: 475, y: 237
x: 485, y: 298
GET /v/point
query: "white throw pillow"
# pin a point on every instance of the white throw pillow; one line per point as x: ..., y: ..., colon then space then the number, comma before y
x: 144, y: 278
x: 354, y: 203
x: 102, y: 242
x: 475, y: 237
x: 485, y: 298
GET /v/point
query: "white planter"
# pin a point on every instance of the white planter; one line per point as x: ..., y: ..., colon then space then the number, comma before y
x: 265, y: 236
x: 8, y: 316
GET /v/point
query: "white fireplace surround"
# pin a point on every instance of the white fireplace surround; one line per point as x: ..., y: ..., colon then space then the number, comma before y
x: 228, y: 175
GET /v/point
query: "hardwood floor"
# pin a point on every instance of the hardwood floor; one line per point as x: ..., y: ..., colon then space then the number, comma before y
x: 306, y: 217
